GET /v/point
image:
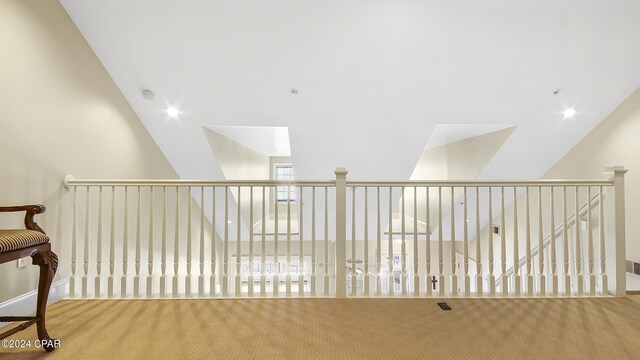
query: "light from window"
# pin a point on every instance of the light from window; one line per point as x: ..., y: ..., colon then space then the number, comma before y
x: 284, y: 172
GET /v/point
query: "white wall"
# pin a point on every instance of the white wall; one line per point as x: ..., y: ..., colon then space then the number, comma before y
x: 60, y: 113
x: 615, y: 141
x: 239, y: 162
x: 612, y: 142
x: 460, y: 160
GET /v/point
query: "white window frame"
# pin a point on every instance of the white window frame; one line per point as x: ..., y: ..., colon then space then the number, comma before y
x: 284, y: 193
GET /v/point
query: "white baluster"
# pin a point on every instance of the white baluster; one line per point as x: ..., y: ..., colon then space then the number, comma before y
x: 176, y: 245
x: 86, y: 249
x: 528, y: 244
x: 554, y: 266
x: 465, y: 244
x: 125, y: 245
x: 276, y: 255
x: 112, y: 244
x: 416, y: 277
x: 479, y: 289
x: 326, y: 242
x: 516, y: 253
x: 492, y: 278
x: 403, y: 250
x: 214, y: 253
x: 263, y: 259
x: 150, y: 246
x: 391, y: 283
x: 543, y: 289
x: 428, y: 243
x: 313, y: 241
x: 454, y: 266
x: 187, y: 279
x: 592, y: 275
x: 341, y: 233
x: 378, y: 245
x: 578, y: 255
x: 74, y: 246
x: 225, y: 266
x: 440, y: 245
x: 354, y: 278
x: 163, y: 264
x: 98, y: 285
x: 366, y: 241
x: 571, y: 257
x: 201, y: 258
x: 565, y: 241
x: 288, y: 278
x: 301, y: 244
x: 504, y: 280
x: 603, y: 262
x: 547, y: 265
x: 136, y: 279
x: 250, y: 278
x: 238, y: 244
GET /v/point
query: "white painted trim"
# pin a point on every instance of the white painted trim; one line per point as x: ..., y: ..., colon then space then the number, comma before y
x: 633, y: 282
x: 25, y: 304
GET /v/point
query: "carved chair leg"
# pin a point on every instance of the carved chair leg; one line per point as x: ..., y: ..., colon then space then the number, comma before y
x: 48, y: 262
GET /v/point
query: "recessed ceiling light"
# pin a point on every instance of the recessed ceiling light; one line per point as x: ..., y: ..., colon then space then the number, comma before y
x: 569, y: 113
x: 172, y: 112
x: 147, y: 94
x: 228, y: 221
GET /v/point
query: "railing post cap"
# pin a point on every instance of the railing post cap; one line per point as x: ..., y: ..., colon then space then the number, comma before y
x: 341, y: 171
x: 66, y: 181
x: 615, y: 170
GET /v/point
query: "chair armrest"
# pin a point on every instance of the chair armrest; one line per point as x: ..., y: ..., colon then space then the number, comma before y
x: 31, y: 211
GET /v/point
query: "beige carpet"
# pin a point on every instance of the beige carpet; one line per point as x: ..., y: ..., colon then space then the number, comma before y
x: 341, y: 329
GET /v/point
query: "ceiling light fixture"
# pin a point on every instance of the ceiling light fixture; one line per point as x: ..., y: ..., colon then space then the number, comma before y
x: 569, y: 113
x: 172, y: 112
x: 148, y: 94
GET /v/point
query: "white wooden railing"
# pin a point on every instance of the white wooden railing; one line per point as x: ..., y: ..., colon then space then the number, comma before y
x: 192, y: 238
x: 568, y: 228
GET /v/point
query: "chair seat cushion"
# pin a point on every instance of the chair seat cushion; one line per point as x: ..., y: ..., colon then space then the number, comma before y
x: 11, y: 240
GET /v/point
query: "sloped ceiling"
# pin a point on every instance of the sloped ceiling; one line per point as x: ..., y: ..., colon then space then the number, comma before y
x: 241, y: 162
x: 443, y: 134
x: 463, y: 159
x: 238, y: 161
x: 269, y: 140
x: 372, y: 78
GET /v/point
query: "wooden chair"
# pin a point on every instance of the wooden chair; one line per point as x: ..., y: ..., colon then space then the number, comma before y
x: 16, y: 244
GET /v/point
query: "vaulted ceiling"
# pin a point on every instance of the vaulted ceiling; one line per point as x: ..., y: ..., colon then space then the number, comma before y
x: 372, y: 78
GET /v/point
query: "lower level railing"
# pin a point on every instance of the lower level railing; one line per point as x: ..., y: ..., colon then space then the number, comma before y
x: 339, y: 238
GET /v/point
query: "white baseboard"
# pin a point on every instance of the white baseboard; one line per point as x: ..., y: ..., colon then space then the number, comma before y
x: 25, y: 304
x: 633, y: 282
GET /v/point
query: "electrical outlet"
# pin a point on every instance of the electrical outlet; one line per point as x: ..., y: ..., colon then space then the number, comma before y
x: 22, y: 262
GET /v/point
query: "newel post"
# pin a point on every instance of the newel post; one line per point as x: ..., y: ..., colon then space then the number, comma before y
x: 341, y: 232
x: 617, y: 176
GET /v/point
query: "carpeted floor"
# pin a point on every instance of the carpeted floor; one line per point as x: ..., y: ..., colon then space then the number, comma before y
x: 341, y: 329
